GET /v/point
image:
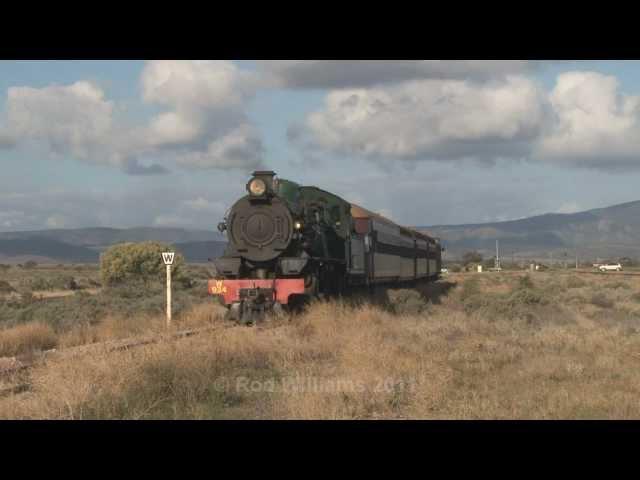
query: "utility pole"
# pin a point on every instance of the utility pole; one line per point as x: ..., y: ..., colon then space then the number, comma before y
x: 497, y: 263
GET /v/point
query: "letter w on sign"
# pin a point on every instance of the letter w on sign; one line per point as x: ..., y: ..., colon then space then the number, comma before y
x: 168, y: 257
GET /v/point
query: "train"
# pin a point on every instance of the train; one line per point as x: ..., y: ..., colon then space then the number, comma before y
x: 288, y: 243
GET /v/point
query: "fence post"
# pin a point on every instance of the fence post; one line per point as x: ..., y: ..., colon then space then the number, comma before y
x: 167, y: 257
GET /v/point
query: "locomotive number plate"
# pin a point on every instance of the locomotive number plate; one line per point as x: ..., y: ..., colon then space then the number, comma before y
x: 218, y: 288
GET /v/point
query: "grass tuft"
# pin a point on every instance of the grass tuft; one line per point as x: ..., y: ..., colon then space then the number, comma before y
x: 25, y: 339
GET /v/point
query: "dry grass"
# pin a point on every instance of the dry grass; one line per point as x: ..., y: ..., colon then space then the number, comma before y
x: 36, y: 336
x: 531, y: 347
x: 27, y: 338
x: 118, y: 327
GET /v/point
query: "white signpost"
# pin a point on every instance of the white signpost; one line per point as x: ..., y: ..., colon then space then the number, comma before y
x: 167, y: 257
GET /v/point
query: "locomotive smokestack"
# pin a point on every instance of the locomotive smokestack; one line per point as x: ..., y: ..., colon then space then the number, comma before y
x: 264, y: 173
x: 262, y: 183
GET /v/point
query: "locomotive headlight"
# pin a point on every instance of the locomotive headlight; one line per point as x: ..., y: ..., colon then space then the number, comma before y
x: 257, y: 187
x: 297, y: 225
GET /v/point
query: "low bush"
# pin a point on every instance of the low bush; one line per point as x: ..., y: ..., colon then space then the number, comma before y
x: 406, y: 301
x: 470, y: 288
x: 526, y: 296
x: 525, y: 282
x: 575, y: 282
x: 37, y: 283
x: 5, y: 287
x: 616, y: 285
x: 26, y: 338
x: 522, y: 302
x: 129, y: 300
x: 59, y: 282
x: 476, y: 302
x: 601, y: 300
x: 137, y: 261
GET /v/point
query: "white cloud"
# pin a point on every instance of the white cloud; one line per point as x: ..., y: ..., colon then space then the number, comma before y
x: 56, y: 221
x: 73, y: 119
x: 569, y: 207
x: 6, y: 141
x: 11, y: 218
x: 205, y: 125
x: 433, y: 119
x: 364, y: 73
x: 584, y: 121
x: 239, y: 148
x: 195, y: 84
x: 595, y: 125
x: 171, y: 206
x: 169, y: 221
x: 201, y: 204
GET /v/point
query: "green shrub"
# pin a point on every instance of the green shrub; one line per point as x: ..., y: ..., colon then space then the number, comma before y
x: 520, y: 303
x: 526, y: 296
x: 137, y: 261
x: 37, y: 283
x: 471, y: 257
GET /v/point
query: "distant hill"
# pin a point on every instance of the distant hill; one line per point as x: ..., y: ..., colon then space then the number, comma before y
x: 607, y: 233
x: 200, y: 252
x: 83, y: 245
x: 99, y: 237
x: 604, y: 232
x: 44, y: 249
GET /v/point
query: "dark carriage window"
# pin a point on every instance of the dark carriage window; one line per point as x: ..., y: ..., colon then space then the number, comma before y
x: 335, y: 214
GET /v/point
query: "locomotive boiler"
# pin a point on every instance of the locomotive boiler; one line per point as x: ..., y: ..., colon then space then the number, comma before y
x: 288, y: 242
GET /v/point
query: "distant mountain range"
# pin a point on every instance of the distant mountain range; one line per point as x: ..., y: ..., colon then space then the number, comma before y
x: 84, y: 245
x: 606, y: 233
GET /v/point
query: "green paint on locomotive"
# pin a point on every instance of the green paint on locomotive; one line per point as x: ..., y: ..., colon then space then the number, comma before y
x: 290, y: 192
x: 324, y: 217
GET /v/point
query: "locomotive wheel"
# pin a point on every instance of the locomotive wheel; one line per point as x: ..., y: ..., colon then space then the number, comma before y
x: 234, y: 313
x: 278, y: 310
x: 250, y: 317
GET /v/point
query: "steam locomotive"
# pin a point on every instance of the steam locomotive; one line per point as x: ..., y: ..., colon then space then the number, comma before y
x: 289, y: 242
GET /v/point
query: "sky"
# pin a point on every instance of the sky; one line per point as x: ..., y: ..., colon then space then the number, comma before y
x: 172, y: 143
